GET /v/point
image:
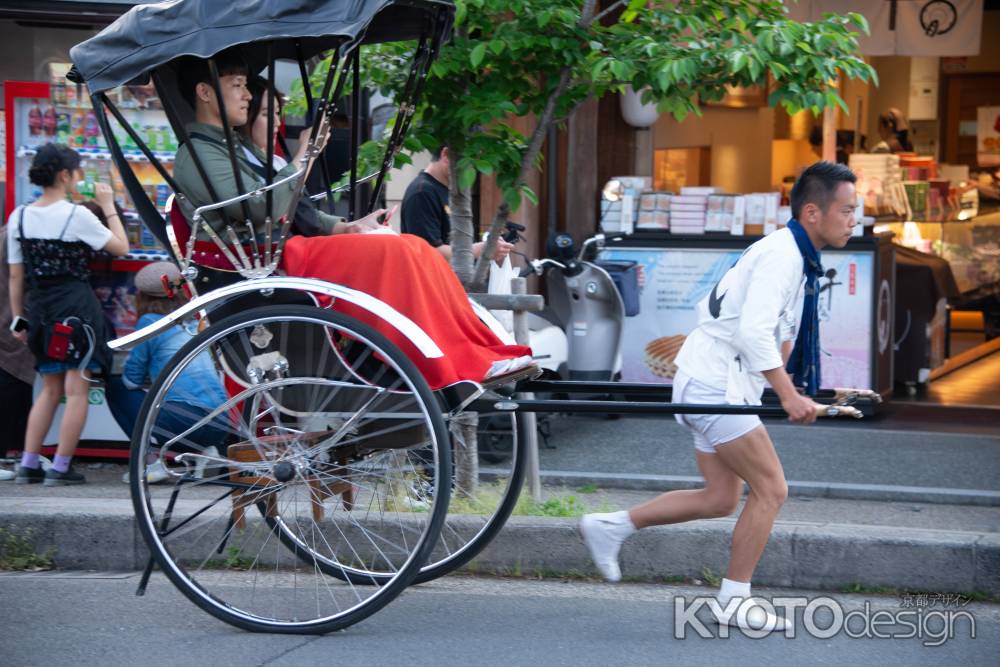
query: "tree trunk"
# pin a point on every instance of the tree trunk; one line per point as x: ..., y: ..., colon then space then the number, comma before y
x: 464, y: 429
x: 478, y: 279
x: 460, y: 203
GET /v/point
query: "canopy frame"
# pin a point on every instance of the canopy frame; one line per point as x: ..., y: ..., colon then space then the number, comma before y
x: 254, y: 255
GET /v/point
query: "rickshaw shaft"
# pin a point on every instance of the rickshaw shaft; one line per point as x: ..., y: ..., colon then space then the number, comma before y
x: 661, y: 391
x: 622, y: 407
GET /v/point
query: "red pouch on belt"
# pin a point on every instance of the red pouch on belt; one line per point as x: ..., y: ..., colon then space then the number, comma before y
x: 59, y: 341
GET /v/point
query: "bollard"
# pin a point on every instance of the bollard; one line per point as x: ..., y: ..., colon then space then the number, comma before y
x: 530, y: 430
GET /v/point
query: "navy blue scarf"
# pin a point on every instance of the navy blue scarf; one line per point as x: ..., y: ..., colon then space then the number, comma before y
x: 803, y: 365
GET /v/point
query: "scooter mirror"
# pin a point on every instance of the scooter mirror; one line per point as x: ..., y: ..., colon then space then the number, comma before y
x: 560, y: 247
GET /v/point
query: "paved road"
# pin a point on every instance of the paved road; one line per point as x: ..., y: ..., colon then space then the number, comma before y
x: 843, y: 453
x: 88, y: 619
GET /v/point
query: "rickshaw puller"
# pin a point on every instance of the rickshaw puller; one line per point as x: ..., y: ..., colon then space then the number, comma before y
x: 746, y: 326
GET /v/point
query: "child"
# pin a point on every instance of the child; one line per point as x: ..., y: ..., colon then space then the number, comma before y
x: 192, y: 395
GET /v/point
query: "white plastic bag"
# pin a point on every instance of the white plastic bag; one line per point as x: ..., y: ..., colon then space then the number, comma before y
x: 500, y: 277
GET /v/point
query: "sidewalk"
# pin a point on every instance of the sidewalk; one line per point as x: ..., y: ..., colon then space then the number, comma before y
x: 850, y: 460
x: 817, y: 542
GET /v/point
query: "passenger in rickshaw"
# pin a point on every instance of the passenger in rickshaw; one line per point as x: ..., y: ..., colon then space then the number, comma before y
x: 400, y: 270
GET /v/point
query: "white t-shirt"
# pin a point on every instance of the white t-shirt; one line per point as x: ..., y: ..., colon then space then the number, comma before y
x: 743, y: 321
x: 47, y: 222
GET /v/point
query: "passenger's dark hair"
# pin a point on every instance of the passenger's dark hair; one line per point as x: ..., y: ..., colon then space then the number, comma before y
x: 192, y: 70
x: 49, y: 161
x: 436, y: 153
x: 257, y: 85
x: 817, y: 184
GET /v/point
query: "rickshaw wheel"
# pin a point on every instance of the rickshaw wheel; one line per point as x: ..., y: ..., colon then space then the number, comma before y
x: 474, y: 517
x: 325, y: 429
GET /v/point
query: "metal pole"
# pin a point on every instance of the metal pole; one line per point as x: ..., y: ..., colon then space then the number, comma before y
x: 534, y: 478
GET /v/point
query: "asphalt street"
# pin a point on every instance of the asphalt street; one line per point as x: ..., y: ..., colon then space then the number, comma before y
x: 842, y: 454
x: 95, y: 619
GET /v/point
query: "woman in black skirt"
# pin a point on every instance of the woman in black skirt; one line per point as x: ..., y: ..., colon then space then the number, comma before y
x: 49, y: 243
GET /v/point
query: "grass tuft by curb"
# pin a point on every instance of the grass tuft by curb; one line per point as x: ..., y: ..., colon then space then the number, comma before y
x: 19, y: 551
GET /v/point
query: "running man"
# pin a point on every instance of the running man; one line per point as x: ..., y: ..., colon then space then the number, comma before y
x: 746, y: 326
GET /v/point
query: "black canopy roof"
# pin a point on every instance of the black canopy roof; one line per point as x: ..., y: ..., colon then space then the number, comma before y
x: 148, y: 36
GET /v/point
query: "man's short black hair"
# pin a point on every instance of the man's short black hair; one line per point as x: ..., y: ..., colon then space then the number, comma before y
x: 436, y: 153
x: 192, y: 70
x: 817, y: 185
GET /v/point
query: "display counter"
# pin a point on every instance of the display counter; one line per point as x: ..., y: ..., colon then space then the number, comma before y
x: 971, y: 246
x: 856, y: 304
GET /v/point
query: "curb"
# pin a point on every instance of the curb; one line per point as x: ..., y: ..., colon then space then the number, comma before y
x: 103, y: 535
x: 800, y: 555
x: 880, y: 492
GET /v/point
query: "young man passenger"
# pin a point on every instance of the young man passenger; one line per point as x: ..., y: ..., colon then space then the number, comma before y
x: 746, y: 326
x: 209, y: 141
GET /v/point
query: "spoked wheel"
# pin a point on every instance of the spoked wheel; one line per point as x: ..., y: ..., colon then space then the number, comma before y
x: 482, y: 497
x: 475, y: 514
x: 330, y: 470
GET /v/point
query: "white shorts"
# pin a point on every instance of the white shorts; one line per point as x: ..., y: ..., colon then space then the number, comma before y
x: 709, y: 431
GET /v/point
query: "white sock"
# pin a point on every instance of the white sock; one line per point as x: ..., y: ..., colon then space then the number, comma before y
x: 732, y: 589
x: 756, y: 617
x: 621, y: 523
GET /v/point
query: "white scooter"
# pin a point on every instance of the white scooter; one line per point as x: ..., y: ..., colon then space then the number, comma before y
x: 584, y: 305
x: 577, y: 336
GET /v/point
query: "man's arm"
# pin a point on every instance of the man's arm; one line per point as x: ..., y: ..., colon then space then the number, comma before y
x: 801, y: 409
x: 499, y: 253
x: 756, y: 341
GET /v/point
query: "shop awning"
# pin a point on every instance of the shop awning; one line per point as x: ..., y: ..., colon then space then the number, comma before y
x: 151, y: 35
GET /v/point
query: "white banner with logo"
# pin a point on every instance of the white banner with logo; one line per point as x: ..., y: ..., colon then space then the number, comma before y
x: 939, y: 27
x: 919, y: 28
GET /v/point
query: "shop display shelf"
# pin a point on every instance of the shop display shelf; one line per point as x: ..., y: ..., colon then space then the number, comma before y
x: 102, y: 154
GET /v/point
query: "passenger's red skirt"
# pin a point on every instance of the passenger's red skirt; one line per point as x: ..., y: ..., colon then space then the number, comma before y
x: 408, y: 274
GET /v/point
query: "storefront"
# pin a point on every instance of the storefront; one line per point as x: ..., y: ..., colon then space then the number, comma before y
x: 917, y: 297
x: 41, y: 106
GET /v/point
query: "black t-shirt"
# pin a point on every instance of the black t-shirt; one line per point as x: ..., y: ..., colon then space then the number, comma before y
x: 425, y: 210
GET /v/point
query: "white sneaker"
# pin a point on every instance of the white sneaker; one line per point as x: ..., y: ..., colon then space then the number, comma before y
x: 6, y: 475
x: 506, y: 366
x: 156, y: 473
x: 202, y: 463
x: 603, y: 534
x: 755, y: 618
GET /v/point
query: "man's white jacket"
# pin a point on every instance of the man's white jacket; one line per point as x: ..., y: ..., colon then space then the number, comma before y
x: 744, y: 319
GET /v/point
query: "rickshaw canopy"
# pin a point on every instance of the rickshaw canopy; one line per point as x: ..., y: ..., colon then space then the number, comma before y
x: 148, y: 36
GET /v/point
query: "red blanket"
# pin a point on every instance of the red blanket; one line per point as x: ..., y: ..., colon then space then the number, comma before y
x: 408, y: 274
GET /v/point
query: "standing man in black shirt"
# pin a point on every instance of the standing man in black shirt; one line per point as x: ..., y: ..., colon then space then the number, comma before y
x: 426, y: 213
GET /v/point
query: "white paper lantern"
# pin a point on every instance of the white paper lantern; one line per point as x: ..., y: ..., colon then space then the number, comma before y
x: 635, y: 112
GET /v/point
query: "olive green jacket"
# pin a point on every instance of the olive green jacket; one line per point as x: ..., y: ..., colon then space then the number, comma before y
x: 210, y: 145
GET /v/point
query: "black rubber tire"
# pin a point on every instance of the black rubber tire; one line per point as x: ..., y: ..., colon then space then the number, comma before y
x: 395, y: 584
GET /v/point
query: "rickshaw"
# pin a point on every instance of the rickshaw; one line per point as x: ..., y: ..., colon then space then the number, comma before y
x: 336, y: 481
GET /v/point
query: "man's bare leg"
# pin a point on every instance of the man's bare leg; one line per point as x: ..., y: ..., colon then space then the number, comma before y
x: 752, y: 457
x: 604, y: 533
x: 719, y: 498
